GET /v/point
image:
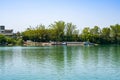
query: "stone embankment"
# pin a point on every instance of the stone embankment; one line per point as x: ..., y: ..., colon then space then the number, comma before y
x: 30, y: 43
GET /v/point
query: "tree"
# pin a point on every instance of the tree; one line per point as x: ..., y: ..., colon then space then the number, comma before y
x: 2, y: 39
x: 71, y: 31
x: 37, y: 34
x: 105, y: 35
x: 85, y: 35
x: 75, y: 36
x: 95, y: 34
x: 40, y: 31
x: 115, y: 33
x: 58, y: 29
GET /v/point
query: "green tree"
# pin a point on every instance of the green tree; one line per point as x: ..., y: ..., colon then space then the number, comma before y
x: 75, y: 36
x: 2, y: 39
x: 95, y: 34
x: 37, y: 34
x: 71, y: 31
x: 105, y: 35
x: 115, y: 33
x: 28, y: 34
x: 85, y: 35
x: 40, y: 33
x: 58, y: 29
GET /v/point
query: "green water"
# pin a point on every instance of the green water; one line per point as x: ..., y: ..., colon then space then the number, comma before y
x: 60, y: 63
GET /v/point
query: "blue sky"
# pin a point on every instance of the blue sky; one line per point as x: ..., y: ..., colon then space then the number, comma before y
x: 20, y: 14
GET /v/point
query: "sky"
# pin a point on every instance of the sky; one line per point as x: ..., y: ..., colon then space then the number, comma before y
x: 20, y: 14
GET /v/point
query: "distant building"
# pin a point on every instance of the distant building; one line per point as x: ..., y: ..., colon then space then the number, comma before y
x: 6, y: 32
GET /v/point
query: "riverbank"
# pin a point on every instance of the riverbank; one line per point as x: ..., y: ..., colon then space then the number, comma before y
x: 30, y: 43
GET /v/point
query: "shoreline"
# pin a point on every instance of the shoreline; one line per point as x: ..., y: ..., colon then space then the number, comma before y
x: 30, y: 43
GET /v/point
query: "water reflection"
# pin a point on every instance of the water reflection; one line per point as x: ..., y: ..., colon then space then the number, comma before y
x: 6, y: 57
x: 59, y: 62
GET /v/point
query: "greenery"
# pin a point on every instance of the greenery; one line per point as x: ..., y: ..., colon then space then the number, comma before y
x: 108, y: 35
x: 61, y: 32
x: 58, y: 31
x: 6, y: 40
x: 2, y: 40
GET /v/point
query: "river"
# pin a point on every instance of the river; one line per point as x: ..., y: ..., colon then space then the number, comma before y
x: 60, y: 63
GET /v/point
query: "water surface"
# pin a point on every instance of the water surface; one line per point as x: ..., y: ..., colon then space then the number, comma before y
x: 60, y: 63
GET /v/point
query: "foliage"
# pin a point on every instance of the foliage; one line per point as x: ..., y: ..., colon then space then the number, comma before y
x: 105, y: 35
x: 19, y: 42
x: 10, y: 41
x: 115, y: 33
x: 2, y: 39
x: 61, y: 31
x: 71, y: 33
x: 58, y: 31
x: 7, y: 40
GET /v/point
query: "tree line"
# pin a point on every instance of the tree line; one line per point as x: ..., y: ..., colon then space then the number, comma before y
x: 58, y: 31
x: 61, y: 31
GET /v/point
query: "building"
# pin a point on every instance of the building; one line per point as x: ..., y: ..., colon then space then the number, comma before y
x: 6, y: 32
